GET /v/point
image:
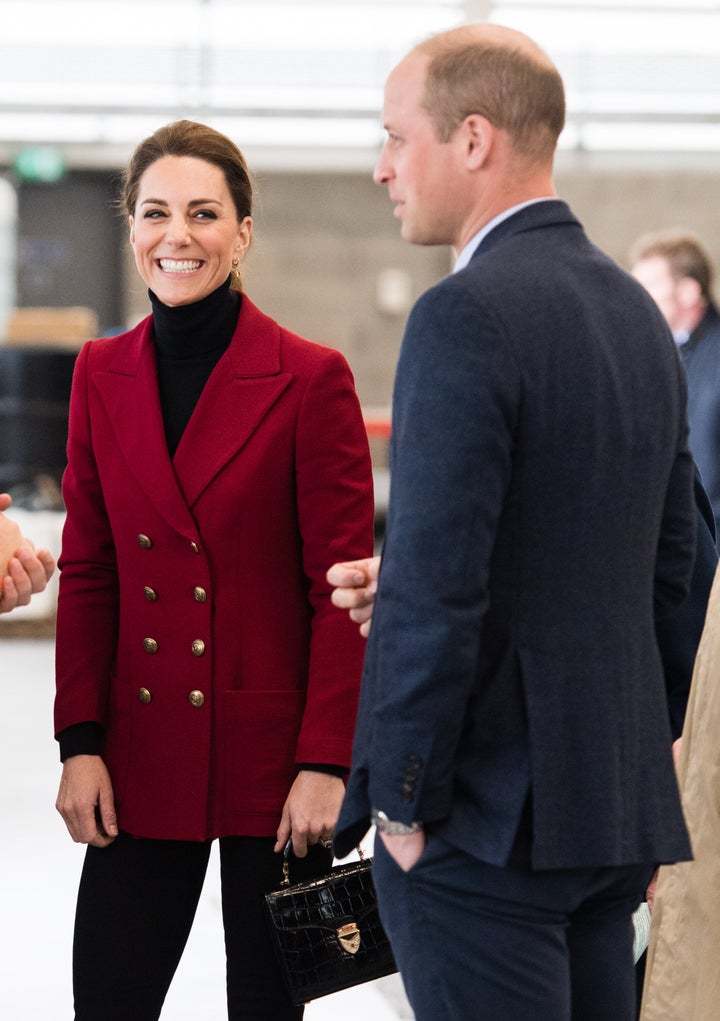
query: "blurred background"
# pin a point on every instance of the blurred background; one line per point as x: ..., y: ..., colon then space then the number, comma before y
x: 299, y: 87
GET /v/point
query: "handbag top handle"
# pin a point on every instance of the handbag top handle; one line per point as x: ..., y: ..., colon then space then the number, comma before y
x: 286, y: 861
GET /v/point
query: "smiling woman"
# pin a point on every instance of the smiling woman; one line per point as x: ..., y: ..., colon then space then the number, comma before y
x: 206, y: 686
x: 185, y: 230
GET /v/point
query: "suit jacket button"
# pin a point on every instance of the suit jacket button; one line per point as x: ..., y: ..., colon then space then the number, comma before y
x: 198, y: 647
x: 145, y: 541
x: 196, y: 699
x: 199, y: 594
x: 150, y: 645
x: 144, y: 696
x: 150, y: 594
x: 194, y: 547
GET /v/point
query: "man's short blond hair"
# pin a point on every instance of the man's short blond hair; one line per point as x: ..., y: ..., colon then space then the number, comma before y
x: 510, y: 81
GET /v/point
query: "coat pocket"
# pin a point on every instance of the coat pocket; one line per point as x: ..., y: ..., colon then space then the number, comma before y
x: 261, y: 732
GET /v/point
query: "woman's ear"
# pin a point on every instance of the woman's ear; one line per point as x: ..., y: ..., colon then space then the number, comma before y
x: 244, y: 237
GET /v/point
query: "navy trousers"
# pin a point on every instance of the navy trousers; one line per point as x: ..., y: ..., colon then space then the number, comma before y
x: 136, y: 906
x: 475, y: 942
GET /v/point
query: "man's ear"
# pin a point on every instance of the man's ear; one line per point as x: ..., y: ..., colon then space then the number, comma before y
x: 477, y: 134
x: 688, y: 292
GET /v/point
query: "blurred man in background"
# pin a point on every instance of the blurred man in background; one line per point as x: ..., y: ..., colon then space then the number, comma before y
x: 677, y: 272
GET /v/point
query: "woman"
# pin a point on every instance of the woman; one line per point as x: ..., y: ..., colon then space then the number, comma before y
x: 206, y: 686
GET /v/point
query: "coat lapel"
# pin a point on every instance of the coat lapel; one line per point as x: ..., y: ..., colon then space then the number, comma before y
x: 129, y: 391
x: 241, y: 390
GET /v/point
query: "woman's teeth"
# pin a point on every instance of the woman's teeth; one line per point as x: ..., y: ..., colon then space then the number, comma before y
x: 179, y: 265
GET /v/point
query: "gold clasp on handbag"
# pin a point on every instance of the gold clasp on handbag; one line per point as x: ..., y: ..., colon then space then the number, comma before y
x: 349, y: 937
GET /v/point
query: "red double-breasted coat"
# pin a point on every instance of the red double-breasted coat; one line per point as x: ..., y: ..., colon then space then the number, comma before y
x: 194, y: 619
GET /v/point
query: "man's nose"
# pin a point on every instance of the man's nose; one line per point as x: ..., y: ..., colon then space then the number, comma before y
x: 381, y: 174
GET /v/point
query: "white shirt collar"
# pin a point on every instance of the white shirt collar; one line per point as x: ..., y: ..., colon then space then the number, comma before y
x: 469, y: 250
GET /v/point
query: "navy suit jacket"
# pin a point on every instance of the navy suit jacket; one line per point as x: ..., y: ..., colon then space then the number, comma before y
x: 541, y: 515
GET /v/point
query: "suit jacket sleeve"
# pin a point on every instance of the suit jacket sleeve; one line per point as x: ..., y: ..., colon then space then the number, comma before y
x: 678, y: 531
x: 679, y: 632
x: 452, y: 460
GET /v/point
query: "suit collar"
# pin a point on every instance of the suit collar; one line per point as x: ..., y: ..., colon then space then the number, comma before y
x: 546, y: 213
x: 242, y: 388
x: 469, y: 250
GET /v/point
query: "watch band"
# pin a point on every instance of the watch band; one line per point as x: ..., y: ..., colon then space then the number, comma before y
x: 392, y: 827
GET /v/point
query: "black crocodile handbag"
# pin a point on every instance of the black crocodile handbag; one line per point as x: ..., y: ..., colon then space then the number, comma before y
x: 327, y: 931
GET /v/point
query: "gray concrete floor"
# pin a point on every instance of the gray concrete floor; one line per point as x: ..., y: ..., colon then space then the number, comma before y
x: 41, y: 867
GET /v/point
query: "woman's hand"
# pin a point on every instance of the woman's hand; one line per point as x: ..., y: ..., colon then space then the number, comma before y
x: 310, y: 811
x: 85, y: 801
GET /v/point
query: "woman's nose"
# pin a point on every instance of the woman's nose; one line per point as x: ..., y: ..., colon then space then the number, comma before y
x: 178, y: 231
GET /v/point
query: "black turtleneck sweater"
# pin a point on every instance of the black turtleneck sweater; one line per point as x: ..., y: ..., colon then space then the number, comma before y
x: 189, y: 340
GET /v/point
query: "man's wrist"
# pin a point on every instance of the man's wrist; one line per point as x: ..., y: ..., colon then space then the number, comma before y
x: 393, y: 828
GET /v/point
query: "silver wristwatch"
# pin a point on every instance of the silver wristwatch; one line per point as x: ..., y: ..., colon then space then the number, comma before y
x: 393, y: 828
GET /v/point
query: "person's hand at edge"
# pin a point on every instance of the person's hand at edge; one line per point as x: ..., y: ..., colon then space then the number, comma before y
x: 28, y: 570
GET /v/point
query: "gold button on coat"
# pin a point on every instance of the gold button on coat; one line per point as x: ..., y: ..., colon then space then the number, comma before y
x: 144, y: 696
x: 150, y: 645
x: 145, y: 541
x: 194, y: 547
x: 196, y: 698
x: 198, y: 647
x: 150, y: 594
x: 199, y: 594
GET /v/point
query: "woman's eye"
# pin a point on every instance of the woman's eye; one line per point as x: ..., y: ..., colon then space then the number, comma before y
x: 205, y: 214
x: 153, y: 214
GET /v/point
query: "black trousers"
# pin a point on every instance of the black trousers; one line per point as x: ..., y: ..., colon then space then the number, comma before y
x: 475, y: 941
x: 135, y: 909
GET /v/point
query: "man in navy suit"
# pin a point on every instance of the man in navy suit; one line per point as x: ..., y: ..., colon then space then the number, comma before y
x: 678, y: 633
x: 513, y: 745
